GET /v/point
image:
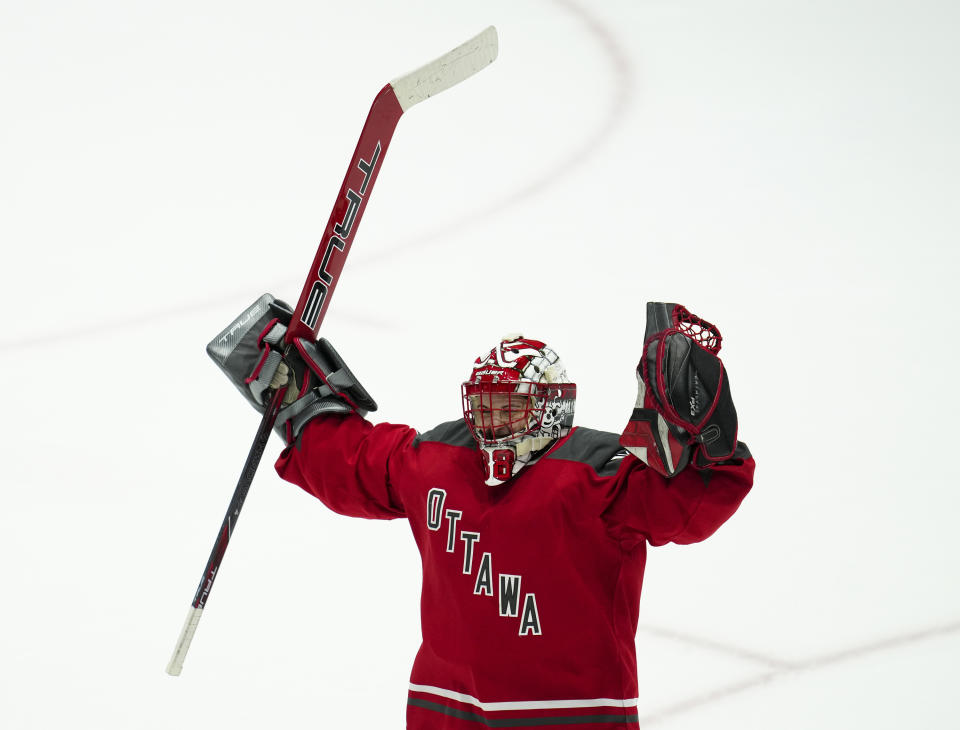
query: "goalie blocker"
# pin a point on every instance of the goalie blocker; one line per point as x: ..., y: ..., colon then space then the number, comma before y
x: 684, y: 409
x: 249, y: 351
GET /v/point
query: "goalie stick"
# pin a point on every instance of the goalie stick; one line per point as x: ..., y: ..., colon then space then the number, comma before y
x: 388, y: 106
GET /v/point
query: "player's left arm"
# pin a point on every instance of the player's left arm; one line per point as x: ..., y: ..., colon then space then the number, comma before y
x: 685, y: 508
x: 684, y: 429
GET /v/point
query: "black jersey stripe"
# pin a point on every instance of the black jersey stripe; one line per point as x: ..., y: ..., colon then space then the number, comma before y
x: 621, y: 720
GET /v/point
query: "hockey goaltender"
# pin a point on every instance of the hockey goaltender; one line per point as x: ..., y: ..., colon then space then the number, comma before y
x: 533, y: 532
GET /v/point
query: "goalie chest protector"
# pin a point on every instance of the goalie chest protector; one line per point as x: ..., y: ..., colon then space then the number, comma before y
x: 531, y: 589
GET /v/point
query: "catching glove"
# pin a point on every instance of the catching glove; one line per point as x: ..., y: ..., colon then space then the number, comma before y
x: 250, y: 352
x: 683, y: 409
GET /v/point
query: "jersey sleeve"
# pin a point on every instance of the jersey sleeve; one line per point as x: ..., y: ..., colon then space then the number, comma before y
x: 686, y: 508
x: 344, y: 461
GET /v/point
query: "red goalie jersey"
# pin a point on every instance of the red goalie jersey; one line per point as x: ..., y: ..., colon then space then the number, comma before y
x: 531, y: 589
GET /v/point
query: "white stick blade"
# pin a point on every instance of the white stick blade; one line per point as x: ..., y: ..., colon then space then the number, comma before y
x: 186, y: 636
x: 448, y: 70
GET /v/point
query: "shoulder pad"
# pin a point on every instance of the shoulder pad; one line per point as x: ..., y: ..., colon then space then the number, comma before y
x: 452, y: 433
x: 597, y: 449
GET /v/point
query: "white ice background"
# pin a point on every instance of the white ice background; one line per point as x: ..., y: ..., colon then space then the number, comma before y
x: 784, y: 169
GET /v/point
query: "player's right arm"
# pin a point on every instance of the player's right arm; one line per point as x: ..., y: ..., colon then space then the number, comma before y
x: 332, y: 451
x: 344, y: 461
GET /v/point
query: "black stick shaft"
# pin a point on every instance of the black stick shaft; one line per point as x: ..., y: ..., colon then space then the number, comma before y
x: 226, y: 530
x: 239, y: 496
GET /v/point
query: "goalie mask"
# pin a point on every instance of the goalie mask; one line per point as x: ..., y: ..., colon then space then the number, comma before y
x: 517, y: 401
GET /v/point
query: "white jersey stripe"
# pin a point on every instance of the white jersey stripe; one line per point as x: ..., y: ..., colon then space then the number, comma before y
x: 528, y: 705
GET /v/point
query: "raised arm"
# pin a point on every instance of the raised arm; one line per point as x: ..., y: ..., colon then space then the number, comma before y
x: 332, y: 451
x: 344, y: 461
x: 685, y: 508
x: 684, y: 428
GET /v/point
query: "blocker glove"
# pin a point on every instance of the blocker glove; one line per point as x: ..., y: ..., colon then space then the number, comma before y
x: 250, y: 352
x: 683, y: 409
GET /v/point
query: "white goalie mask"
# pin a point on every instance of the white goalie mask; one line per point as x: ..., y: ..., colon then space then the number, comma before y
x: 517, y: 401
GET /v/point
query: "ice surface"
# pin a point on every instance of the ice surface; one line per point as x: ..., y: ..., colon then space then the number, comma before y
x: 787, y: 170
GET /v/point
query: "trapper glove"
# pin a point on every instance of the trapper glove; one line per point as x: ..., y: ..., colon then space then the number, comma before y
x: 684, y: 409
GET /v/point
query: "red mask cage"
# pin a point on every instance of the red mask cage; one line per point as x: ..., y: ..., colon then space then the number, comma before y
x: 497, y: 414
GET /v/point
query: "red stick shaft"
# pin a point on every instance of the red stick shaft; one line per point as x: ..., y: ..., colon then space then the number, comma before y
x: 362, y: 173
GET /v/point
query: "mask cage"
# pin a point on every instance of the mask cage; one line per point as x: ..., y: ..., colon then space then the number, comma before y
x: 502, y: 413
x: 496, y: 416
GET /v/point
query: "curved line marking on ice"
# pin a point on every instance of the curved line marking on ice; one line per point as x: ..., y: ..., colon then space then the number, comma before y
x: 579, y: 154
x: 778, y: 669
x: 146, y: 318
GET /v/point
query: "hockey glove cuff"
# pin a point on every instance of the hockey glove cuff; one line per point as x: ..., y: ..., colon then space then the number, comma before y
x: 684, y: 408
x: 250, y: 352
